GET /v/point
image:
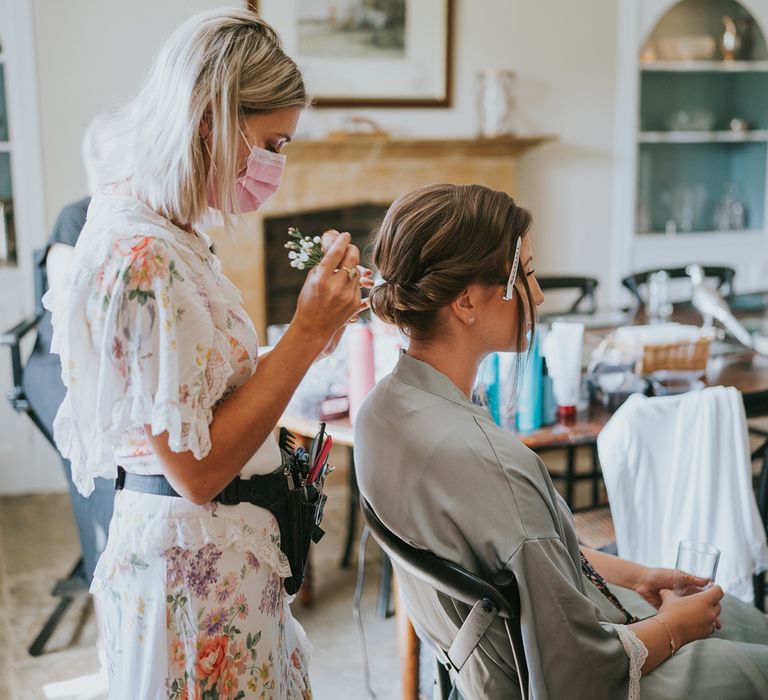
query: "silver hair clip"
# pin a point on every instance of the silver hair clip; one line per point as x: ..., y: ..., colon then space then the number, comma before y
x: 513, y: 272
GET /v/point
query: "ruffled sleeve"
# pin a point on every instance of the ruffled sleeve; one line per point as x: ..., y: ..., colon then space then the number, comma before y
x: 138, y: 346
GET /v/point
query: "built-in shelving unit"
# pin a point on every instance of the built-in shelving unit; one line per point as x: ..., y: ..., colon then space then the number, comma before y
x: 719, y: 66
x: 692, y: 137
x: 757, y: 135
x: 703, y: 129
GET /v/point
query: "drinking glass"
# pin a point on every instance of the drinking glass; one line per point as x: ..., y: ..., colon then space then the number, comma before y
x: 699, y: 559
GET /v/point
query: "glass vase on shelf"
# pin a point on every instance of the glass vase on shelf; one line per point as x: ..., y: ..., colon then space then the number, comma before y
x: 730, y: 211
x: 659, y: 308
x: 495, y: 100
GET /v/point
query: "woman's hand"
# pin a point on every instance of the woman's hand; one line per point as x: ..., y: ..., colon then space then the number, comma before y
x: 333, y: 343
x: 366, y: 276
x: 686, y: 619
x: 691, y: 617
x: 652, y: 581
x: 330, y: 295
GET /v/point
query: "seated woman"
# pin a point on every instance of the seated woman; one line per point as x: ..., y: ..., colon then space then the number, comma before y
x: 459, y: 281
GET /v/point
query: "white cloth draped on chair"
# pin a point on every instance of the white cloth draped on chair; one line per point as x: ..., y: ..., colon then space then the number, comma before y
x: 678, y: 468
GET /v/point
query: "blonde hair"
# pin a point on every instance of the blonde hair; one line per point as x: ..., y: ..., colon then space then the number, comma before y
x: 96, y: 152
x: 218, y: 66
x: 436, y: 241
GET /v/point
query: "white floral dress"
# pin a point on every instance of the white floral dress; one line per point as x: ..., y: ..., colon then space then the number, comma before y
x: 151, y: 332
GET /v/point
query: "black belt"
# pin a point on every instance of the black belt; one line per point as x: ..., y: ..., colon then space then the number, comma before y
x: 297, y: 509
x: 260, y: 490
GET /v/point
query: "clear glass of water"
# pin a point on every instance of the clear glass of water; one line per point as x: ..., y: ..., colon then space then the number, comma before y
x: 698, y: 559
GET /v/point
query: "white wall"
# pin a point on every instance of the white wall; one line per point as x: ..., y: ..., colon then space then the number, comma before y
x: 92, y: 54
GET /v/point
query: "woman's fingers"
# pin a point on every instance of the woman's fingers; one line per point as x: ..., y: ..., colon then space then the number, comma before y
x: 366, y: 277
x: 351, y: 258
x: 365, y: 304
x: 327, y: 239
x: 332, y: 259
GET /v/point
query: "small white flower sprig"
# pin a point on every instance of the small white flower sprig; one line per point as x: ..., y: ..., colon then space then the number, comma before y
x: 304, y: 251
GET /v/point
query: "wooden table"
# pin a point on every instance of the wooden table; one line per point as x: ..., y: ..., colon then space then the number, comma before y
x: 744, y: 370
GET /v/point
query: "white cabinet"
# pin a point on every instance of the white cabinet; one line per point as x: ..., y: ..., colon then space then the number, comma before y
x: 692, y: 137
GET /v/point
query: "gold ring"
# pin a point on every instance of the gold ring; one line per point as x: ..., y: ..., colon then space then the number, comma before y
x: 352, y: 272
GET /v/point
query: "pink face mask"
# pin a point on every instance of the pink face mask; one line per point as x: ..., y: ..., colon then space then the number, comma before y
x: 257, y: 184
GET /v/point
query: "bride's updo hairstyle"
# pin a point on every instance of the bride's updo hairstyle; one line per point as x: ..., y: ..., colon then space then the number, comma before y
x: 436, y: 241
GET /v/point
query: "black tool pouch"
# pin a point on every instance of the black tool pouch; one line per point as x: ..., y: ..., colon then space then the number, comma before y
x: 298, y: 512
x: 299, y: 516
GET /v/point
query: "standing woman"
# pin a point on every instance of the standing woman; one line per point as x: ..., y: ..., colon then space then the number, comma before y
x: 160, y: 364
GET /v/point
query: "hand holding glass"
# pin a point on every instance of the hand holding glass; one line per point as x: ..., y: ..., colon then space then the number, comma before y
x: 696, y: 567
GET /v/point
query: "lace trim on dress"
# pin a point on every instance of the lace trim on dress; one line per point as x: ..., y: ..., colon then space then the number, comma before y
x: 637, y: 654
x: 134, y: 538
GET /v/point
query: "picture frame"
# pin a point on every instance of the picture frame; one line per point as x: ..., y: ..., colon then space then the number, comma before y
x: 368, y: 53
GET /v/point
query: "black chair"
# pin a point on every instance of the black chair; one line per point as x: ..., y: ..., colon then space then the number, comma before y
x: 39, y: 400
x: 584, y: 303
x: 500, y: 598
x: 722, y: 275
x: 584, y: 287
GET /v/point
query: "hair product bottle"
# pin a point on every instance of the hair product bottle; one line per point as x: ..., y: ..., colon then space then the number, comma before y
x: 529, y: 407
x: 361, y: 365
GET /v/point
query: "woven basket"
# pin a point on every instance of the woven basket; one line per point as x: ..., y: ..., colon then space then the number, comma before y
x: 688, y: 355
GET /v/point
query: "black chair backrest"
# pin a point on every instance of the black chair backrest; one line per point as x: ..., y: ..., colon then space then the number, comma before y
x: 457, y: 583
x: 723, y: 275
x: 584, y: 286
x: 40, y: 276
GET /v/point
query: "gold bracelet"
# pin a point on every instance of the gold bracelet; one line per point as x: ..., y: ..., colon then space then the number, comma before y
x: 672, y: 644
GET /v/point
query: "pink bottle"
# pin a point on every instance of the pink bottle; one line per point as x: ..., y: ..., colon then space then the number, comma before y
x: 362, y: 376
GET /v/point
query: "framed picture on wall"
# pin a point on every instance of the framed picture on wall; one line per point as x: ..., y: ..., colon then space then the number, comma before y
x: 368, y: 53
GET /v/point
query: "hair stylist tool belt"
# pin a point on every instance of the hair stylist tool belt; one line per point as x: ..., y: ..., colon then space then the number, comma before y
x: 297, y: 508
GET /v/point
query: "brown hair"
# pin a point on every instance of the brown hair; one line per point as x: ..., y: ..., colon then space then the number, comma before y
x: 436, y: 241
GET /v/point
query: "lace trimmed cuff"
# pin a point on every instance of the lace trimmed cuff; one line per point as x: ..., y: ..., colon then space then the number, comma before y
x: 637, y: 653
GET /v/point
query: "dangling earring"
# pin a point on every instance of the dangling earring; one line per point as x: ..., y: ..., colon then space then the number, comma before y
x: 471, y: 320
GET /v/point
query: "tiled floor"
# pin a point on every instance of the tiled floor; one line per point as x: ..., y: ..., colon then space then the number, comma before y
x: 38, y: 544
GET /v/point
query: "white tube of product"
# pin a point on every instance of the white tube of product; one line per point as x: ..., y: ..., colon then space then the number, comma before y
x: 563, y: 348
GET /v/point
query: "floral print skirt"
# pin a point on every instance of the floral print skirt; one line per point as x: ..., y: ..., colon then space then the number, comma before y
x: 202, y: 614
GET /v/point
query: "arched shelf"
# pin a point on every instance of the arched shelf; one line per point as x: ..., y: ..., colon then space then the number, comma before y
x: 703, y: 121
